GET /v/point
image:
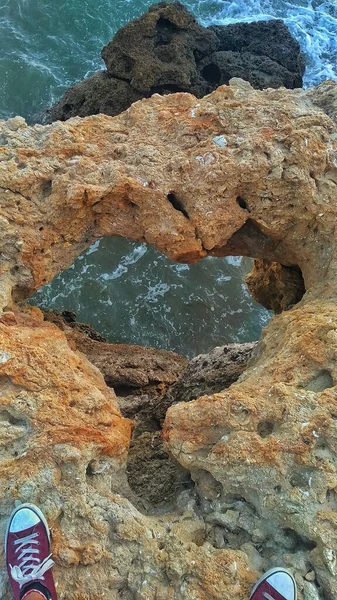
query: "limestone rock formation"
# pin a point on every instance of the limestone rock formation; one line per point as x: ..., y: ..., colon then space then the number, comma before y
x: 274, y: 286
x: 222, y: 183
x: 139, y: 376
x: 166, y: 50
x: 124, y: 367
x: 239, y: 172
x: 206, y: 374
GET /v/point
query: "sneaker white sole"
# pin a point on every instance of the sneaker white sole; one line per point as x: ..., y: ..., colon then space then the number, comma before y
x: 34, y: 509
x: 272, y: 572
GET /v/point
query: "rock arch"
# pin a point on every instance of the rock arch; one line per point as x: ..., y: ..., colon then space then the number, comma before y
x: 239, y: 172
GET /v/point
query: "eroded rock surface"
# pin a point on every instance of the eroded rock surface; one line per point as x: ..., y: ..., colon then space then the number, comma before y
x: 206, y: 374
x: 166, y: 50
x: 274, y: 286
x: 239, y: 172
x: 220, y: 172
x: 126, y: 368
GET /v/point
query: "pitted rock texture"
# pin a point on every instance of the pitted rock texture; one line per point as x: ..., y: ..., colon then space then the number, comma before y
x: 126, y: 368
x: 239, y: 172
x: 271, y: 439
x: 206, y: 374
x: 166, y: 50
x: 274, y: 286
x: 63, y: 446
x: 220, y: 171
x: 139, y: 377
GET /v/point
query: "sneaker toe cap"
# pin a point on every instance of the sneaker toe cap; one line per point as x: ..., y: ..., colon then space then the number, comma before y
x: 283, y: 583
x: 23, y: 519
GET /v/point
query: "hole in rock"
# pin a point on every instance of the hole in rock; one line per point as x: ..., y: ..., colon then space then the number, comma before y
x: 164, y: 31
x: 331, y: 499
x: 6, y: 416
x: 242, y: 203
x: 211, y: 73
x: 177, y: 204
x: 132, y: 294
x: 46, y: 188
x: 67, y: 108
x: 265, y: 428
x: 321, y: 382
x: 155, y: 478
x: 298, y: 542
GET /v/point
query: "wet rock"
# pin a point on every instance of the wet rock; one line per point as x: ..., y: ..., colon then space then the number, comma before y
x: 264, y: 38
x: 99, y: 93
x: 166, y: 50
x: 260, y: 71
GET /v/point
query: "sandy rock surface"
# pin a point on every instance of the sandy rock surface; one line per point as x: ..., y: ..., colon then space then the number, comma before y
x: 239, y: 172
x: 220, y: 171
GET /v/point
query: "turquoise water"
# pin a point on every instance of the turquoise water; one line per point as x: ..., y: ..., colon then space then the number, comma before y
x: 128, y: 291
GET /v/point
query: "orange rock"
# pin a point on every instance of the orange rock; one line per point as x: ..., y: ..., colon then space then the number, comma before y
x: 238, y: 172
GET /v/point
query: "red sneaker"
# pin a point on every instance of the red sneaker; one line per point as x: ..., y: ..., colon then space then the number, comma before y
x: 28, y: 557
x: 276, y: 584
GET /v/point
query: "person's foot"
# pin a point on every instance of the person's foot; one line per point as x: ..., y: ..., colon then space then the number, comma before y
x: 276, y: 584
x: 28, y: 557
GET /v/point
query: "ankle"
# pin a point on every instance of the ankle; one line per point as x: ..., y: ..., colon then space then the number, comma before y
x: 33, y: 595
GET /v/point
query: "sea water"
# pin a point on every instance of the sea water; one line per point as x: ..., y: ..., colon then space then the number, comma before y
x: 129, y: 292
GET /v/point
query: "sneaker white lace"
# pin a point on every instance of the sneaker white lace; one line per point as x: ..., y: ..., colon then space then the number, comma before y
x: 29, y: 567
x: 268, y: 596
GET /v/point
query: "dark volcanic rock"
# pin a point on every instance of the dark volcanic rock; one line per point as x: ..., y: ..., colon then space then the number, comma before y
x: 99, y: 93
x: 263, y: 38
x: 260, y: 71
x: 161, y: 48
x: 166, y: 50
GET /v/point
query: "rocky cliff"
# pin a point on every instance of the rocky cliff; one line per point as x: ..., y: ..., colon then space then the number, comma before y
x: 239, y: 172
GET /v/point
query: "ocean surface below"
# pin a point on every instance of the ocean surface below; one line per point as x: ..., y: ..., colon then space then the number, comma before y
x: 126, y: 290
